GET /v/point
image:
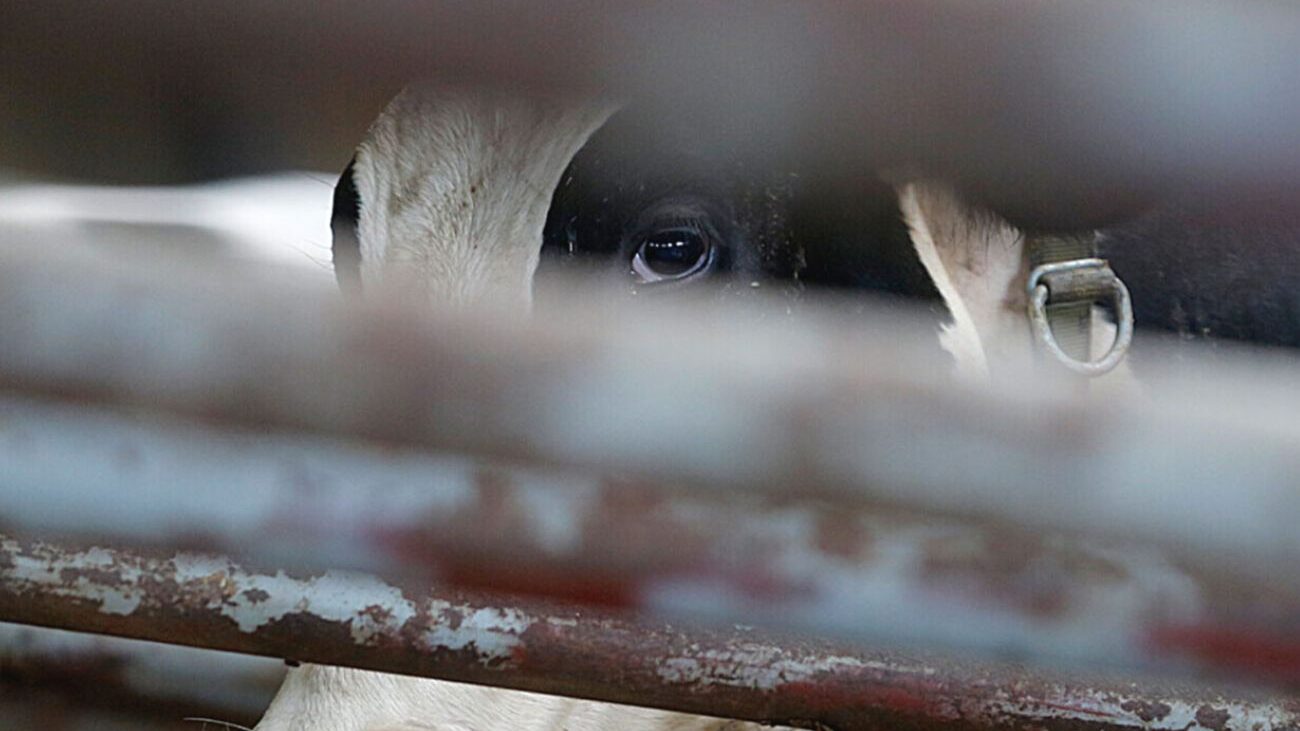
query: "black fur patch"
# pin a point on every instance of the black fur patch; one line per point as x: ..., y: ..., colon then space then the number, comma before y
x: 346, y: 245
x: 783, y: 224
x: 1199, y: 273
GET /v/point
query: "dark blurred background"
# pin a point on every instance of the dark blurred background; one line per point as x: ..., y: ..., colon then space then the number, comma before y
x: 1057, y: 113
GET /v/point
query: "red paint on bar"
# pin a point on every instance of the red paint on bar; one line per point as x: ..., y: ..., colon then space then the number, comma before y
x: 831, y: 697
x: 536, y: 580
x: 1262, y: 653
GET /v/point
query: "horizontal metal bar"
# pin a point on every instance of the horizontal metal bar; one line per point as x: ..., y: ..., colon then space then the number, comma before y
x: 298, y: 502
x: 357, y: 620
x: 856, y: 411
x: 1060, y: 106
x: 142, y: 681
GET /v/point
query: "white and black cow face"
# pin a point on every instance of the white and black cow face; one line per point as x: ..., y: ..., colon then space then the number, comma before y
x: 459, y: 194
x: 447, y: 196
x: 652, y: 208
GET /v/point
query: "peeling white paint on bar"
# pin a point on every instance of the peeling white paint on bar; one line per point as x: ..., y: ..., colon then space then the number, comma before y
x: 262, y: 599
x: 307, y: 502
x: 238, y: 481
x: 1162, y: 714
x: 112, y: 599
x: 493, y: 632
x: 255, y: 601
x: 311, y: 503
x: 707, y: 665
x: 764, y: 667
x: 1099, y: 619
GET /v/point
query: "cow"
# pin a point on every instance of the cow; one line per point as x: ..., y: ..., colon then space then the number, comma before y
x: 458, y: 197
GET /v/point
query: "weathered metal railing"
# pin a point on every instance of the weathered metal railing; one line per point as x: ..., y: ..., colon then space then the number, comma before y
x: 857, y: 572
x: 361, y: 621
x: 1063, y: 108
x: 864, y: 413
x: 996, y: 520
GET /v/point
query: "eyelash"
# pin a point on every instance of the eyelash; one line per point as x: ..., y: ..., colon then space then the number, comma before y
x: 694, y: 224
x: 674, y: 250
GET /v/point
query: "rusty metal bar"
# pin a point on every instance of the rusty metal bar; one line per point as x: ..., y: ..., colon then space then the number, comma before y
x: 361, y: 621
x: 145, y: 682
x: 299, y: 502
x: 1060, y: 106
x: 868, y: 422
x: 874, y: 416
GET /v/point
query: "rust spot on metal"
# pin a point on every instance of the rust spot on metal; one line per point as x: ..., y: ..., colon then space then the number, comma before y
x: 531, y: 578
x: 256, y: 596
x: 1146, y: 710
x: 1213, y: 718
x: 495, y: 508
x: 1082, y: 711
x: 842, y: 535
x: 519, y: 655
x: 102, y: 577
x: 380, y: 615
x: 1011, y: 567
x: 1262, y: 653
x: 827, y: 698
x: 538, y: 646
x: 628, y: 496
x: 452, y: 617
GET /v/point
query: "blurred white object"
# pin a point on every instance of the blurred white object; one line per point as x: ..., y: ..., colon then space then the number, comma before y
x: 282, y: 217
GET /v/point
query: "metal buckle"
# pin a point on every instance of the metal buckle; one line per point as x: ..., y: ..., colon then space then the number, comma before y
x: 1039, y: 290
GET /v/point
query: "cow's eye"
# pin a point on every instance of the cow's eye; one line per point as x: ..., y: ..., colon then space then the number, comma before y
x: 672, y: 254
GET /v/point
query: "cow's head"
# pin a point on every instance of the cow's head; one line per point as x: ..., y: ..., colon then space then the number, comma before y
x: 455, y: 195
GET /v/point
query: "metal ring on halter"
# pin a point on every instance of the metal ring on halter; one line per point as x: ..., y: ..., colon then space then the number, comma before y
x: 1039, y: 292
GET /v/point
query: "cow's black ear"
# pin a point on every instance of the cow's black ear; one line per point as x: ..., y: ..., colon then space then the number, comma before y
x: 343, y: 224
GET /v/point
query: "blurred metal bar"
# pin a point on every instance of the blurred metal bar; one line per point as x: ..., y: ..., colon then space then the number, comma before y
x: 289, y: 501
x: 872, y: 420
x: 1062, y: 110
x: 861, y: 411
x: 360, y: 621
x: 138, y: 680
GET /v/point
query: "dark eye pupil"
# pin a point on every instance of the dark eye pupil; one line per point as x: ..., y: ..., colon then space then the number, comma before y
x: 672, y: 253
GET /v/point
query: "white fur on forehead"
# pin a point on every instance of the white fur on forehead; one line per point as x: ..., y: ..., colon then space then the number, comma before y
x: 341, y: 699
x: 977, y: 262
x: 455, y: 185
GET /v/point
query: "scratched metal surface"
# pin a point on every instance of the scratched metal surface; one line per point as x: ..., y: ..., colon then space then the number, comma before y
x: 243, y: 349
x: 1063, y: 109
x: 300, y: 502
x: 362, y: 621
x: 875, y: 417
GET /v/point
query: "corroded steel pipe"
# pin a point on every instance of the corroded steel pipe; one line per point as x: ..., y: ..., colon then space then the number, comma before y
x: 358, y: 620
x: 871, y: 421
x: 1045, y: 104
x: 295, y: 502
x: 860, y: 411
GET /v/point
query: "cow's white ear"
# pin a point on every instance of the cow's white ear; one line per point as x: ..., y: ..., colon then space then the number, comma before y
x: 455, y: 184
x: 977, y: 262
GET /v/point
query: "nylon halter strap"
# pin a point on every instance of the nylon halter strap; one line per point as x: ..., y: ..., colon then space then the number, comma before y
x: 1067, y: 279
